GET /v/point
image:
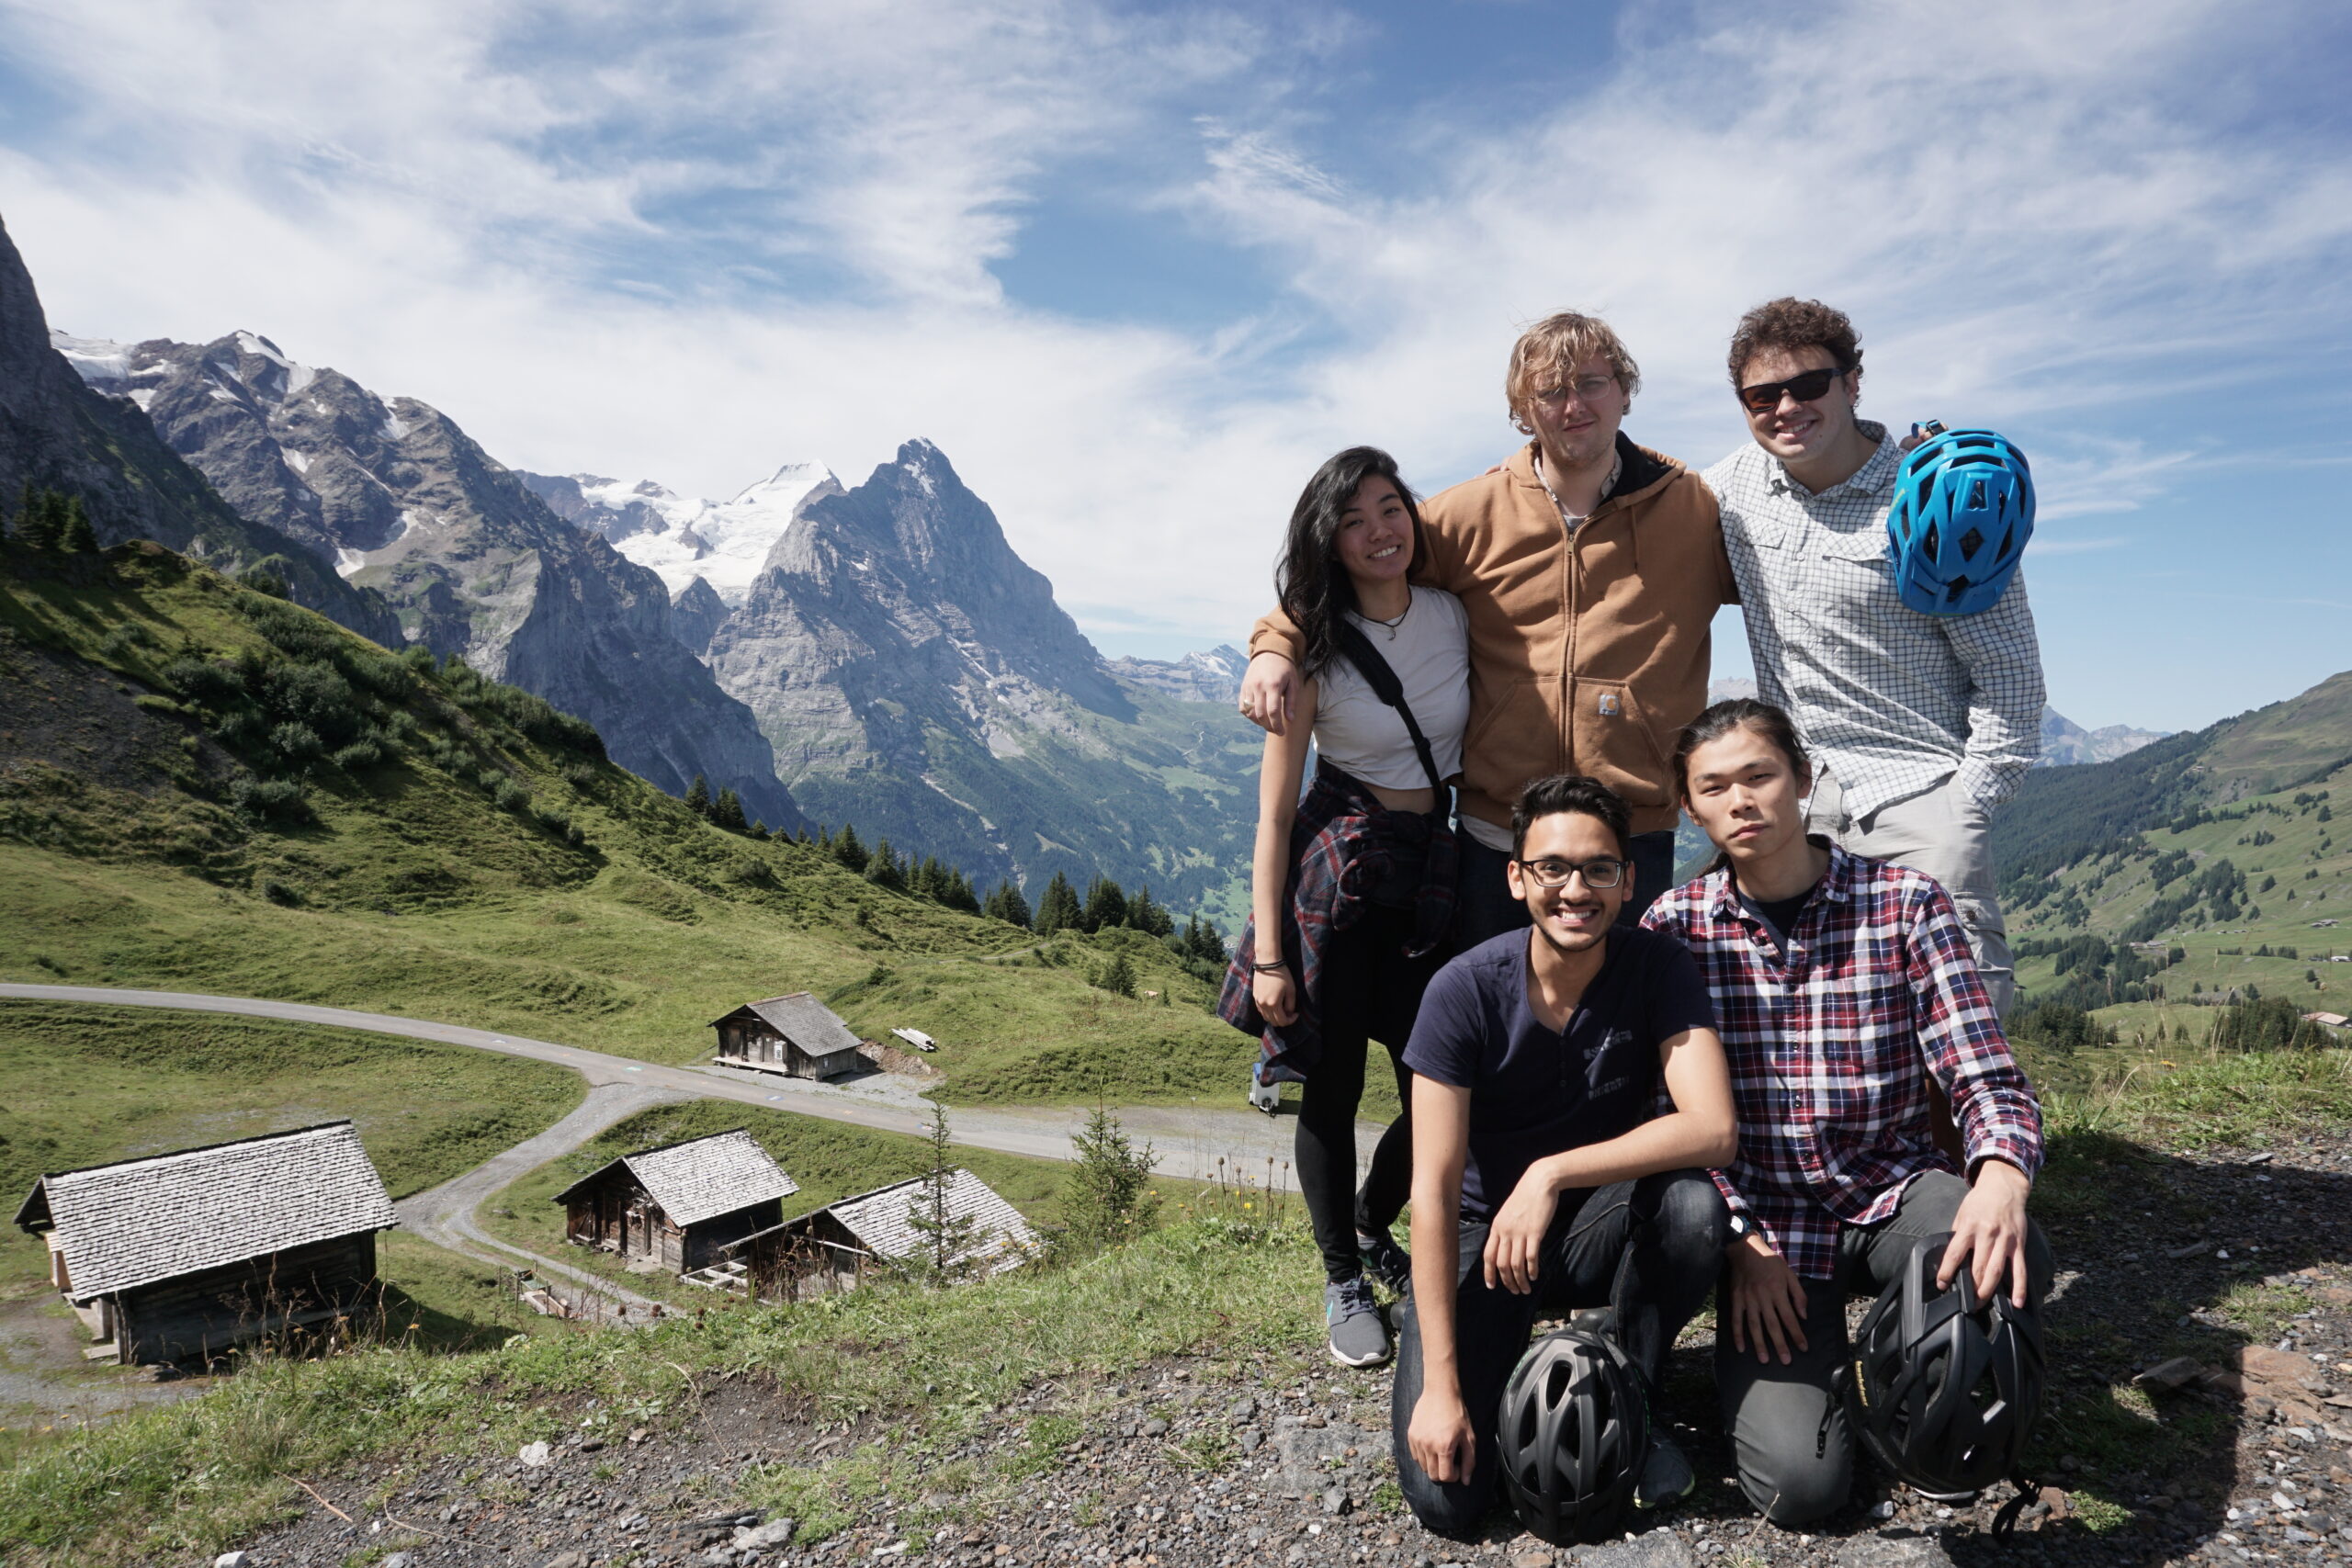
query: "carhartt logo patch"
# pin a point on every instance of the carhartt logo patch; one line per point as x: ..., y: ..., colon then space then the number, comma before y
x: 1611, y: 707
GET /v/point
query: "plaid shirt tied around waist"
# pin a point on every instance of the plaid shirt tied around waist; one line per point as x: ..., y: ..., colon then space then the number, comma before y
x: 1344, y: 846
x: 1831, y: 1043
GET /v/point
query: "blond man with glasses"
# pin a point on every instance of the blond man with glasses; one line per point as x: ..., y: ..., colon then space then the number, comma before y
x: 1590, y: 570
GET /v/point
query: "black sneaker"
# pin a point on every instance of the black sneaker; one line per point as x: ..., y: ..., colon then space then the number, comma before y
x: 1386, y: 1262
x: 1667, y: 1476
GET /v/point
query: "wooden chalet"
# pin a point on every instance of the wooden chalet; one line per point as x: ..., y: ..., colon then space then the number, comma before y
x: 676, y: 1206
x: 834, y: 1248
x: 797, y: 1035
x: 188, y: 1254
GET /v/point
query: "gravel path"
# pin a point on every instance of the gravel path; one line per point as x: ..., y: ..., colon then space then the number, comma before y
x: 445, y: 1214
x: 1188, y: 1463
x: 1191, y: 1140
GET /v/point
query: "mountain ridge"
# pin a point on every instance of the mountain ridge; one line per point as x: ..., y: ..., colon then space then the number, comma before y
x: 398, y: 499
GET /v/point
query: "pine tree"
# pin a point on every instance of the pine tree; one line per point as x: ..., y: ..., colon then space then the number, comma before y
x: 1119, y: 975
x: 74, y: 535
x: 760, y: 829
x: 1105, y: 906
x: 1202, y: 942
x: 1147, y: 917
x: 947, y: 1243
x: 728, y: 810
x: 1058, y: 908
x: 699, y: 797
x: 1107, y: 1197
x: 42, y: 523
x: 1006, y: 904
x: 882, y: 868
x: 924, y: 879
x: 847, y: 849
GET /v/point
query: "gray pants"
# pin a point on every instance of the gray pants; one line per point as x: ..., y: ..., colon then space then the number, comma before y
x: 1946, y: 835
x: 1793, y: 1464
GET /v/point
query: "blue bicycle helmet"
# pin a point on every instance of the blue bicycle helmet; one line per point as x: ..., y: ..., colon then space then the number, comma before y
x: 1962, y: 512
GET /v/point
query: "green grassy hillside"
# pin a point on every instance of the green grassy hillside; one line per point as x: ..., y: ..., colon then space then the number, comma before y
x: 202, y: 788
x: 85, y: 1086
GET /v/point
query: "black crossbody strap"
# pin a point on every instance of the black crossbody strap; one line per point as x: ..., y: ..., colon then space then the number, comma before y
x: 1389, y: 690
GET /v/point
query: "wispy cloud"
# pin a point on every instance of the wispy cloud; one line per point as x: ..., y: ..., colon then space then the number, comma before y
x: 759, y: 230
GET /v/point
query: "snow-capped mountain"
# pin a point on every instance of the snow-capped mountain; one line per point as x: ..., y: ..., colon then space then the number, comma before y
x: 679, y: 538
x: 396, y: 498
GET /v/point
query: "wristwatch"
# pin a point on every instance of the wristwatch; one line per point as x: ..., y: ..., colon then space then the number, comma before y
x: 1742, y: 1227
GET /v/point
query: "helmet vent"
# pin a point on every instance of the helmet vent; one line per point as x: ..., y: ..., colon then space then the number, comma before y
x: 1970, y: 542
x: 1934, y: 542
x: 1977, y: 495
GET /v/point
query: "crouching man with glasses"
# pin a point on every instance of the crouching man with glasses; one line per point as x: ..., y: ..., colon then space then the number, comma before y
x: 1569, y: 1092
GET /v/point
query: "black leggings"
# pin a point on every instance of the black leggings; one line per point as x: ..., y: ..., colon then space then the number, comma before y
x: 1367, y: 990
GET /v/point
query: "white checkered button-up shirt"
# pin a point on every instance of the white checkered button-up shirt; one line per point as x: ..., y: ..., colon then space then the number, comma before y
x: 1894, y: 702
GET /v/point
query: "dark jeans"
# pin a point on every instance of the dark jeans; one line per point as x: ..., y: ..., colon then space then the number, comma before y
x: 1791, y: 1466
x: 1649, y: 1249
x: 1484, y: 906
x: 1367, y: 991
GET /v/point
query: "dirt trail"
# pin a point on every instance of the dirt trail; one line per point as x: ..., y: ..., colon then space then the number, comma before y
x: 1191, y: 1140
x: 445, y: 1214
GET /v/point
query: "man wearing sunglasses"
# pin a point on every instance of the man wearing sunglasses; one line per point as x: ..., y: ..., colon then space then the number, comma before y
x: 1919, y: 725
x: 1549, y: 1173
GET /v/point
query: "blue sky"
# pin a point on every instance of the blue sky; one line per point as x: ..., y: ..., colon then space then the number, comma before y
x: 1138, y: 268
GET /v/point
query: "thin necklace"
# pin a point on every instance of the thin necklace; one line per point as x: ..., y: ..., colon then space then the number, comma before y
x: 1391, y: 627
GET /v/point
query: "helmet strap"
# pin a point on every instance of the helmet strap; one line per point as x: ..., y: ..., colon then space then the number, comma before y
x: 2005, y: 1523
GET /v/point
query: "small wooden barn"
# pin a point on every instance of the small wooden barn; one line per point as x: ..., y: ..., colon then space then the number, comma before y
x: 184, y: 1255
x: 797, y: 1035
x: 677, y: 1205
x: 834, y: 1248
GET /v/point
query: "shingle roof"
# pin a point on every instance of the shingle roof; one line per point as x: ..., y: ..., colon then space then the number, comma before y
x: 884, y: 1221
x: 138, y: 1221
x: 806, y: 1022
x: 703, y: 1178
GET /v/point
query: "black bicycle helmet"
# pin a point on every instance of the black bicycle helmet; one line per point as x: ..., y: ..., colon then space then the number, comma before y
x: 1573, y: 1429
x: 1945, y: 1387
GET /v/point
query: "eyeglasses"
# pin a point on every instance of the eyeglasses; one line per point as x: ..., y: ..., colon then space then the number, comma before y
x: 1765, y: 396
x: 1597, y: 873
x: 1585, y: 389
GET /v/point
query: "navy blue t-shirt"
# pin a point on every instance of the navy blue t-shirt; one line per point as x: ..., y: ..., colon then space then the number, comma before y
x: 1534, y: 1093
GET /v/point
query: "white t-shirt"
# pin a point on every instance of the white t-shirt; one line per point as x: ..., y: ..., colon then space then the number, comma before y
x: 1429, y: 651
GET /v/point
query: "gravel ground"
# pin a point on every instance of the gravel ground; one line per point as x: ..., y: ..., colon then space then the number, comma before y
x: 2227, y: 1448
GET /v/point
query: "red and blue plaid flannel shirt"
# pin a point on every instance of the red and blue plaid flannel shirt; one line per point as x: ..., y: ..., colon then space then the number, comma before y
x: 1831, y: 1043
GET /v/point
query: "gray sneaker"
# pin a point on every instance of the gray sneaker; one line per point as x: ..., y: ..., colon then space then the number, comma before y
x: 1359, y: 1333
x: 1667, y: 1476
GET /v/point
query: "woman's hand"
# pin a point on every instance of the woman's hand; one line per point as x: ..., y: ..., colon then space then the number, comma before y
x: 1439, y: 1436
x: 1515, y: 1238
x: 1276, y: 995
x: 1270, y: 693
x: 1988, y: 1233
x: 1767, y: 1302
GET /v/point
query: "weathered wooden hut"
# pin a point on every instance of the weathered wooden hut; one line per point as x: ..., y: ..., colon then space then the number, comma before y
x: 184, y: 1255
x: 834, y: 1248
x: 797, y: 1035
x: 675, y: 1206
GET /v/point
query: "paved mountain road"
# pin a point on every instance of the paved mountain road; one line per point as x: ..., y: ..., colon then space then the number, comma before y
x: 445, y: 1214
x: 1191, y: 1142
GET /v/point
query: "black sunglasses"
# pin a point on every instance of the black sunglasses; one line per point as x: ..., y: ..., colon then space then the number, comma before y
x: 1765, y: 396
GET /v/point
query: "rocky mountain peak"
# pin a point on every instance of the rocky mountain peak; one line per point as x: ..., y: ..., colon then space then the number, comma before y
x: 725, y: 544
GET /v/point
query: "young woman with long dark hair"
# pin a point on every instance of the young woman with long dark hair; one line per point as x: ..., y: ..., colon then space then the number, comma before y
x: 1848, y: 1002
x: 1352, y: 887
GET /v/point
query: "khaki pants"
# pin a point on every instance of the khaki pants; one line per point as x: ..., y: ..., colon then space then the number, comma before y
x: 1945, y: 835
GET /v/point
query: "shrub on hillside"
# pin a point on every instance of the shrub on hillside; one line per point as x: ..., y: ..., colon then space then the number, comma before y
x: 272, y: 800
x: 1107, y: 1197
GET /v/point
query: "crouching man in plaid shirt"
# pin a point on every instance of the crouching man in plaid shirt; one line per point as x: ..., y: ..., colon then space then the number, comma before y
x: 1842, y: 987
